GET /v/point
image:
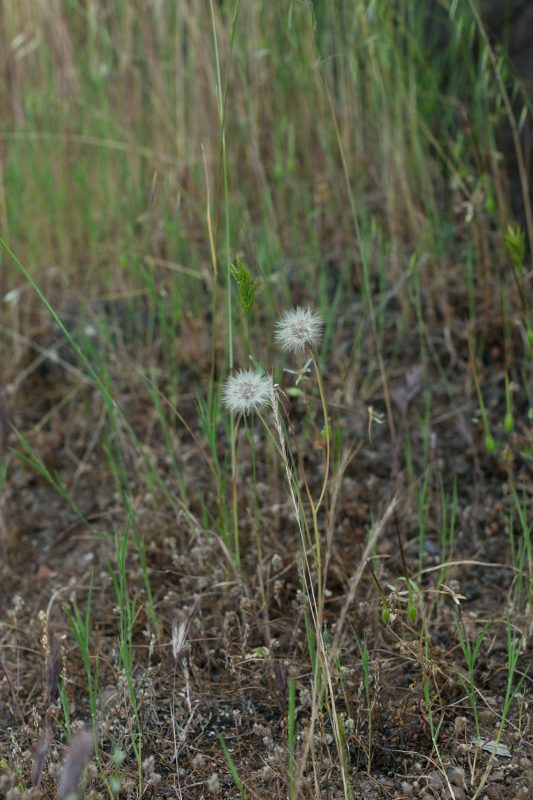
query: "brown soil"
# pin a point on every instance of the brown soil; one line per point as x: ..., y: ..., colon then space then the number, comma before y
x: 246, y: 634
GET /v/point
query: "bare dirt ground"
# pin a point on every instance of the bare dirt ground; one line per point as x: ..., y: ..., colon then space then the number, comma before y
x: 245, y: 633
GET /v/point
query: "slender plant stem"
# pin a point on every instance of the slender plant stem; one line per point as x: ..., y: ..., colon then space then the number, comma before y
x: 234, y: 506
x: 326, y: 430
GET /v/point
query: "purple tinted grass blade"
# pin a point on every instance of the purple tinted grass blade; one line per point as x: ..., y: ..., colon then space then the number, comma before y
x: 54, y: 665
x: 39, y: 759
x: 74, y: 765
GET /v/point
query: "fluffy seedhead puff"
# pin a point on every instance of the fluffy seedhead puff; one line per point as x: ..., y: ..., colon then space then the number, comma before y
x: 247, y: 391
x: 298, y: 329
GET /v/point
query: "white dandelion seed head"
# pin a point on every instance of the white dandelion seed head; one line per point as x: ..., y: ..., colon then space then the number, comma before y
x: 298, y: 329
x: 247, y: 390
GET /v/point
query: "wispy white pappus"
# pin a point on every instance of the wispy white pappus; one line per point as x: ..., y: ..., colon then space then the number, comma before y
x: 298, y: 329
x: 247, y: 390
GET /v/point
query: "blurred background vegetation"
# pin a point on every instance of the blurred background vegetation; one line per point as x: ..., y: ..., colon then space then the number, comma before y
x: 359, y: 148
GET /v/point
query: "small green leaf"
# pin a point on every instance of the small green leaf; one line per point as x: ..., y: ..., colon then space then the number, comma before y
x: 258, y: 652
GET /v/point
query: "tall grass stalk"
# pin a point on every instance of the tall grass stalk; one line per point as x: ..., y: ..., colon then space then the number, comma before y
x: 470, y: 653
x: 448, y: 520
x: 127, y: 611
x: 291, y: 729
x: 81, y: 628
x: 522, y: 553
x: 427, y: 694
x: 322, y: 661
x: 232, y: 767
x: 222, y: 91
x: 365, y: 666
x: 422, y: 493
x: 140, y: 548
x: 515, y: 647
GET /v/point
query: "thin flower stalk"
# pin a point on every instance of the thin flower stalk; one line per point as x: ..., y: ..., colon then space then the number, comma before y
x: 326, y: 429
x: 314, y: 606
x: 245, y: 392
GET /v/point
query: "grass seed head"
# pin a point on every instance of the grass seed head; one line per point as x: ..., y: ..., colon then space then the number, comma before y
x: 179, y: 637
x: 246, y: 391
x: 298, y: 329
